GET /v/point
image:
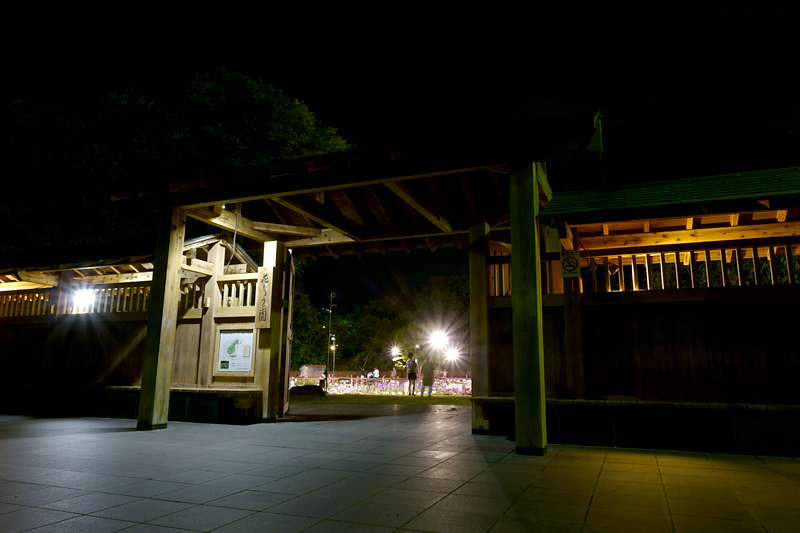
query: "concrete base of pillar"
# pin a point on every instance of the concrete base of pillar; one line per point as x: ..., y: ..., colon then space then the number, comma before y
x: 530, y: 450
x: 144, y: 426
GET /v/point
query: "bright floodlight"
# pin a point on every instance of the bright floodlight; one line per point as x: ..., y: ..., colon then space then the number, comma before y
x: 83, y: 298
x: 438, y: 339
x: 452, y: 354
x: 395, y: 351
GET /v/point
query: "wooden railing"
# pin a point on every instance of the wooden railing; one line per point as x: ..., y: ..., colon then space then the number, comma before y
x: 238, y: 290
x: 110, y: 298
x: 726, y: 267
x: 673, y: 269
x: 34, y: 302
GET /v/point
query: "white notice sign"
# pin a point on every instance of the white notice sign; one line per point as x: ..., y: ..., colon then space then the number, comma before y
x: 235, y: 349
x: 570, y: 264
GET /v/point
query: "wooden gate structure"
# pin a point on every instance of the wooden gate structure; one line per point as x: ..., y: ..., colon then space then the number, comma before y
x: 543, y: 341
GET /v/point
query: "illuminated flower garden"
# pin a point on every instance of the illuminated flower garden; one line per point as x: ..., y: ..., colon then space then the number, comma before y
x: 398, y: 387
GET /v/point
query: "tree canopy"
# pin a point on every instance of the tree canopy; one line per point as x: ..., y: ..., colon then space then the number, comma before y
x: 219, y: 123
x: 365, y: 337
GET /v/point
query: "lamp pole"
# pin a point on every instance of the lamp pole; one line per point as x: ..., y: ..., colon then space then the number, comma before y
x: 330, y: 337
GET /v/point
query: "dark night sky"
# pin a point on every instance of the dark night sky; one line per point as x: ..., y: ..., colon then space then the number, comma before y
x: 687, y: 91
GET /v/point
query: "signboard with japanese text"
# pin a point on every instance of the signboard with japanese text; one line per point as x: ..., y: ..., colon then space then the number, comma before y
x: 264, y: 297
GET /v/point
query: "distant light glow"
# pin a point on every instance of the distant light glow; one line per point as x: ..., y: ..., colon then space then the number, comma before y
x: 438, y: 339
x: 452, y: 354
x: 83, y: 298
x: 395, y: 351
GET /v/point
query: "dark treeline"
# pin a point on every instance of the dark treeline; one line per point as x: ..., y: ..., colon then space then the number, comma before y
x: 365, y: 337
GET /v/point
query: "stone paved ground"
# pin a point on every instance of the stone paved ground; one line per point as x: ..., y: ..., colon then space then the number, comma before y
x: 361, y: 469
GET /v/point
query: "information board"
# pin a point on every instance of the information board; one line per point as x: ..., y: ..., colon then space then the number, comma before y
x: 235, y: 350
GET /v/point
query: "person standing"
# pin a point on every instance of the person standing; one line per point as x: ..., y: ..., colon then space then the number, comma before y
x: 394, y: 373
x: 427, y: 378
x: 411, y: 367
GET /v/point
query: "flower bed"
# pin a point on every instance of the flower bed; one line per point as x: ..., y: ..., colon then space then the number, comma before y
x: 441, y: 386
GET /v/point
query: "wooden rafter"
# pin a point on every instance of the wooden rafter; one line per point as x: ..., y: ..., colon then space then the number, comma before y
x: 321, y: 214
x: 375, y: 205
x: 285, y: 229
x: 457, y: 241
x: 227, y: 220
x: 734, y: 219
x: 467, y: 193
x: 429, y: 213
x: 327, y: 237
x: 330, y: 251
x: 404, y: 245
x: 346, y: 206
x: 276, y: 212
x: 430, y: 244
x: 496, y: 181
x: 380, y: 248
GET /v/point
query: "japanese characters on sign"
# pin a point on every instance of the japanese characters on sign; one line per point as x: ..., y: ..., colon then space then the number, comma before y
x: 263, y: 298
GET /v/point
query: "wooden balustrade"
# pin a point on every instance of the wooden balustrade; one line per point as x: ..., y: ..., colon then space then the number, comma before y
x: 238, y: 290
x: 110, y: 298
x: 34, y: 302
x: 696, y: 268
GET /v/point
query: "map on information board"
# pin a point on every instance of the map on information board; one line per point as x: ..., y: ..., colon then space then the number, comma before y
x: 235, y: 349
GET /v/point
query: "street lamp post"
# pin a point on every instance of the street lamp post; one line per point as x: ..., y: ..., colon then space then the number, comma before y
x: 331, y: 338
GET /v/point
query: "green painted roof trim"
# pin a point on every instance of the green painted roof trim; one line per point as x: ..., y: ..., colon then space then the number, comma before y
x: 757, y: 185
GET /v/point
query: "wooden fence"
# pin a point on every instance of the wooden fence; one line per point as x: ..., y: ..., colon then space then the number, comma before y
x: 34, y: 302
x: 238, y: 290
x: 670, y: 269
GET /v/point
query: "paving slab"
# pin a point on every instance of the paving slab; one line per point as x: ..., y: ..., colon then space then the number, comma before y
x: 369, y: 469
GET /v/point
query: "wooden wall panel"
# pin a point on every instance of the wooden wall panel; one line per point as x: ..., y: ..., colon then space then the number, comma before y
x: 734, y: 351
x: 187, y: 349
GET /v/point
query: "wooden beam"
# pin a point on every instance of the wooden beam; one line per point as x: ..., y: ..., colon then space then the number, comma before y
x: 346, y: 206
x: 621, y: 274
x: 298, y: 178
x: 467, y: 193
x: 708, y: 267
x: 665, y: 238
x: 724, y: 266
x: 198, y: 266
x: 634, y: 273
x: 404, y: 244
x: 780, y: 215
x: 648, y: 266
x: 430, y: 244
x: 662, y: 262
x: 375, y: 205
x: 380, y: 248
x: 433, y: 216
x: 605, y: 229
x: 330, y: 251
x: 276, y: 212
x: 734, y: 219
x: 162, y: 313
x: 693, y: 270
x: 326, y: 237
x: 678, y: 270
x: 322, y: 214
x: 496, y: 181
x: 284, y: 229
x: 457, y: 241
x: 790, y: 265
x: 227, y: 220
x: 115, y: 278
x: 739, y: 267
x: 771, y: 260
x: 647, y: 226
x: 756, y: 264
x: 565, y: 236
x: 38, y: 277
x: 689, y: 223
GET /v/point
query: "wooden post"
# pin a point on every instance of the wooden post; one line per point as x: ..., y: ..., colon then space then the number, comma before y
x: 573, y: 339
x: 771, y: 260
x: 678, y: 270
x: 621, y: 274
x: 648, y: 265
x: 756, y: 272
x: 607, y: 274
x: 707, y: 257
x: 662, y: 263
x: 739, y: 268
x: 208, y: 328
x: 693, y: 269
x: 479, y: 318
x: 724, y: 265
x: 634, y: 274
x: 529, y: 402
x: 270, y: 340
x: 162, y: 319
x: 790, y: 264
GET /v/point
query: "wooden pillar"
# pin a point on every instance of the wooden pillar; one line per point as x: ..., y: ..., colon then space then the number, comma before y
x: 208, y: 328
x: 573, y: 339
x: 270, y: 340
x: 526, y: 298
x: 479, y: 318
x: 162, y: 319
